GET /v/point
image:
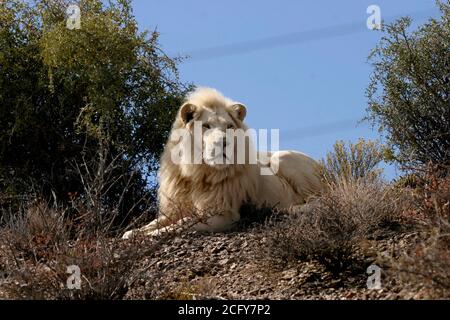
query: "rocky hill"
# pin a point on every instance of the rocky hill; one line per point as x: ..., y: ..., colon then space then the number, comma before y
x: 234, y: 265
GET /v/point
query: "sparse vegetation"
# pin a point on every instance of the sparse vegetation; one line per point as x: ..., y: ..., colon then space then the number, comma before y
x: 330, y: 227
x: 40, y: 243
x: 40, y: 240
x: 425, y: 265
x: 352, y: 162
x: 335, y: 227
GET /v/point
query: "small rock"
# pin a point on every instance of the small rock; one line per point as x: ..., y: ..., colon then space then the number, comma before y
x: 350, y: 295
x: 177, y: 240
x: 218, y: 248
x: 289, y: 274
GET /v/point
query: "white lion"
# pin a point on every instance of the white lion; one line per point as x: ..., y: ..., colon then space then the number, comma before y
x: 216, y: 186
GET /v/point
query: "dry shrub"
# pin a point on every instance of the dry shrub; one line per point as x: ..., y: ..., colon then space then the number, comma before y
x: 352, y: 162
x: 424, y: 269
x: 39, y: 241
x: 425, y: 265
x: 356, y: 205
x: 38, y: 244
x: 329, y: 228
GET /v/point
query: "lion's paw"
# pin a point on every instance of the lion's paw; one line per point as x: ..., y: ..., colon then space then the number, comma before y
x: 127, y: 235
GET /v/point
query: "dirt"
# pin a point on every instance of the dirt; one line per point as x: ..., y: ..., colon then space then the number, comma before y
x: 233, y: 266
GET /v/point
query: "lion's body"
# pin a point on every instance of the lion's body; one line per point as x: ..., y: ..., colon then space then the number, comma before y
x: 219, y: 191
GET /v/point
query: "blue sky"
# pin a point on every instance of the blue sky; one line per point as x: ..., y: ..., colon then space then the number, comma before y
x: 310, y: 85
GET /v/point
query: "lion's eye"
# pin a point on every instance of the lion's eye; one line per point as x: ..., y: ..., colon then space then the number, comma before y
x: 206, y: 126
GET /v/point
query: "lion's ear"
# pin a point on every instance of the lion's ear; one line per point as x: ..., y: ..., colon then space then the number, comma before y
x: 187, y: 111
x: 239, y: 110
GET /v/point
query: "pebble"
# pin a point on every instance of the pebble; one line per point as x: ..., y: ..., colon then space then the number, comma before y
x: 223, y: 262
x: 289, y: 274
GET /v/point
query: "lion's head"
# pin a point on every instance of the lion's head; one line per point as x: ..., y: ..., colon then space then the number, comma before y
x: 210, y: 132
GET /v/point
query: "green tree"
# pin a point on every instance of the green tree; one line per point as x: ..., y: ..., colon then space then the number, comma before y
x: 409, y: 90
x: 66, y: 92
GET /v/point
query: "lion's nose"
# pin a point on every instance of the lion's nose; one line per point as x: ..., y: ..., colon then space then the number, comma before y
x: 218, y: 142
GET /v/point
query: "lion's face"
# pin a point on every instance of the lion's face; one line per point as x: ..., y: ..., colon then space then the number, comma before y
x: 218, y: 129
x: 213, y: 126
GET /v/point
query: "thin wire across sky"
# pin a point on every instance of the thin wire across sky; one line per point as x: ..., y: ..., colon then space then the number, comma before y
x: 293, y: 38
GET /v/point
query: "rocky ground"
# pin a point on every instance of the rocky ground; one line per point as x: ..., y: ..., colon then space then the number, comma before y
x: 233, y: 265
x: 238, y: 265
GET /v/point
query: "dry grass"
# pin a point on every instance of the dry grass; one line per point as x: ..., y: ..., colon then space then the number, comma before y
x: 356, y: 206
x: 425, y: 266
x: 39, y: 244
x: 330, y: 227
x: 39, y: 241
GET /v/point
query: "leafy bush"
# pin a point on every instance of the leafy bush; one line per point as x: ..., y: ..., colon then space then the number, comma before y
x: 62, y: 92
x: 409, y: 90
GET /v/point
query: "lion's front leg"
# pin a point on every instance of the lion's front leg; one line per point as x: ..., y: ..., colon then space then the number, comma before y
x: 169, y: 214
x: 162, y: 221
